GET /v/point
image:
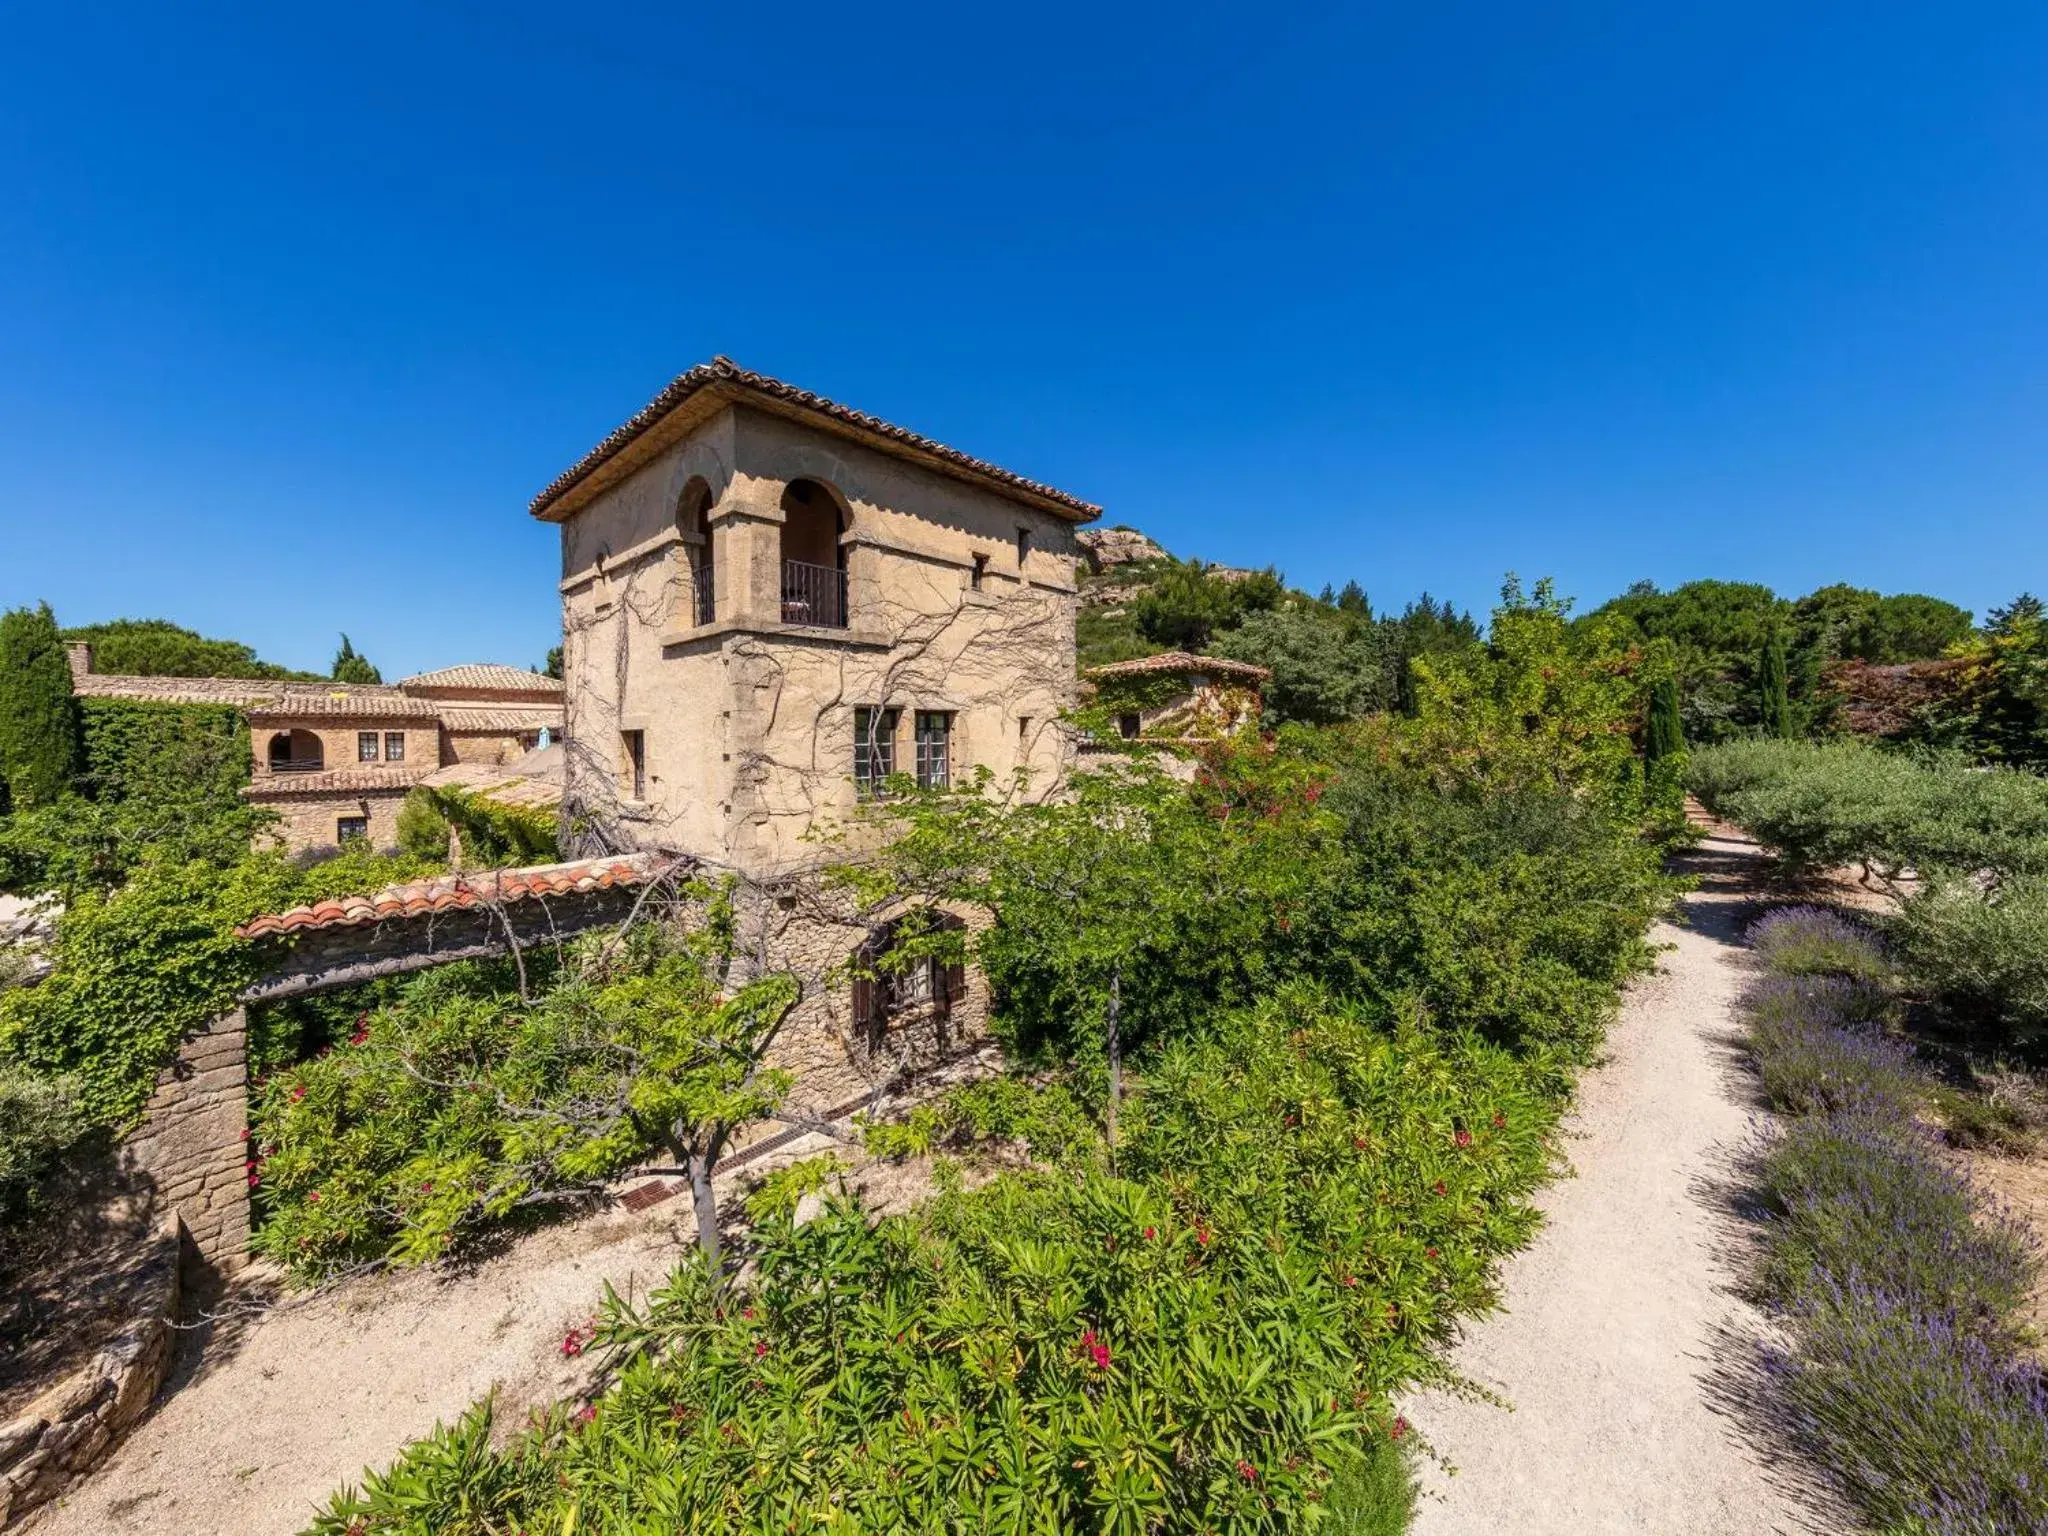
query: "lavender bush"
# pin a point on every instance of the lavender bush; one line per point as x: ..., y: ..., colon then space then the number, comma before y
x: 1812, y: 941
x: 1927, y: 1426
x: 1904, y: 1379
x: 1865, y: 1203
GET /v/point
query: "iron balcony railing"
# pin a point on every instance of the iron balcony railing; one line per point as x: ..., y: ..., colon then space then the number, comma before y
x: 813, y: 594
x: 703, y: 595
x: 296, y: 765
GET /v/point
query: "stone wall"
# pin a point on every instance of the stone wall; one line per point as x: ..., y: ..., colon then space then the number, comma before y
x: 75, y: 1425
x: 191, y: 1144
x: 309, y: 821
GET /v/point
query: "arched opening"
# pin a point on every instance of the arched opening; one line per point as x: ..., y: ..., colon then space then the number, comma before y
x: 898, y: 978
x: 693, y: 522
x: 813, y: 560
x: 296, y: 752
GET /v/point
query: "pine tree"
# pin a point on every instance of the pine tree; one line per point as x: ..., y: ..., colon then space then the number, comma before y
x: 1665, y: 735
x: 350, y: 666
x: 38, y: 716
x: 1774, y: 689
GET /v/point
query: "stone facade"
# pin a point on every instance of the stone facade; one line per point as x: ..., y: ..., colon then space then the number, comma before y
x: 191, y: 1143
x: 335, y: 760
x: 770, y: 602
x: 75, y: 1425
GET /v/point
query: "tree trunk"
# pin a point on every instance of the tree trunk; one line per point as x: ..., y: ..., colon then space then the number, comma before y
x: 702, y: 1159
x: 1116, y: 1059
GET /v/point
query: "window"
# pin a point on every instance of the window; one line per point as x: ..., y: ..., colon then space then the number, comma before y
x: 394, y: 746
x: 1127, y: 727
x: 633, y: 775
x: 1023, y: 732
x: 934, y: 749
x: 874, y: 749
x: 352, y: 829
x: 366, y: 746
x: 1023, y: 548
x: 975, y: 576
x: 930, y: 987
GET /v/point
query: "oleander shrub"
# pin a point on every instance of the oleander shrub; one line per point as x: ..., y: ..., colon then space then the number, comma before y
x: 1927, y: 1426
x: 1984, y: 955
x: 1203, y: 1341
x: 1813, y: 941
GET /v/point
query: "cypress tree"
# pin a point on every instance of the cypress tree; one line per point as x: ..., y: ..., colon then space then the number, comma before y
x: 1665, y: 735
x: 1776, y: 698
x: 38, y: 716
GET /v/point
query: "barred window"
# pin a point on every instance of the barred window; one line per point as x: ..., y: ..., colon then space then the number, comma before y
x: 366, y: 746
x: 934, y: 749
x: 394, y: 746
x: 352, y: 829
x: 874, y: 749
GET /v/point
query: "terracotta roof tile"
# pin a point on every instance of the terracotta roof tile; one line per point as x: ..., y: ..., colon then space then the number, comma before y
x: 321, y: 700
x: 723, y: 374
x: 486, y: 674
x: 1179, y: 661
x: 334, y: 781
x: 501, y: 717
x: 454, y: 893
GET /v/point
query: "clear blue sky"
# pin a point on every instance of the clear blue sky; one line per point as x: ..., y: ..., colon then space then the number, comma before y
x: 298, y: 307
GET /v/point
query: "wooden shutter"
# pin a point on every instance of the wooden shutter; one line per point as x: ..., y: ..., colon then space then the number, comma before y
x: 866, y: 1009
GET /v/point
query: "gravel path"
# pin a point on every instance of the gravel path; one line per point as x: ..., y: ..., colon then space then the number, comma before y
x: 1619, y: 1319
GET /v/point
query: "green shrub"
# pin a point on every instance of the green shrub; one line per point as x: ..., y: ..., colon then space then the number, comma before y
x: 39, y: 1120
x: 492, y: 833
x: 1199, y: 1345
x: 1984, y: 955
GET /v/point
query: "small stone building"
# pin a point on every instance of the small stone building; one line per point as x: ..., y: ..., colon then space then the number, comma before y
x: 771, y: 604
x: 1178, y: 697
x: 335, y: 761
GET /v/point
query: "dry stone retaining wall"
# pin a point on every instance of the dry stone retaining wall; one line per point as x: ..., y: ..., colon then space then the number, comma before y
x: 75, y: 1425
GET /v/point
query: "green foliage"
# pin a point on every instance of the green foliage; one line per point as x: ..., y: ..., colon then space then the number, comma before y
x: 141, y: 966
x: 1823, y: 806
x: 38, y: 717
x: 1426, y: 628
x: 1665, y: 732
x: 492, y: 833
x: 1984, y: 955
x: 1774, y: 701
x: 1188, y: 603
x: 459, y: 1106
x: 352, y: 667
x: 159, y: 648
x: 163, y: 753
x: 39, y: 1121
x: 554, y: 663
x: 1196, y: 1346
x: 1326, y: 666
x: 2000, y: 710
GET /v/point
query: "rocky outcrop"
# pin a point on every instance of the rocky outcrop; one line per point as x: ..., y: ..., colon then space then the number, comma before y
x: 1106, y: 548
x: 75, y: 1425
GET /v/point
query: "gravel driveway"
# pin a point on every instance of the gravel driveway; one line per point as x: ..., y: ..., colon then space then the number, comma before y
x: 1621, y: 1318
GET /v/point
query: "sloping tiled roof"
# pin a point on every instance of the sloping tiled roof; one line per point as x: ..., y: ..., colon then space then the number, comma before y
x: 335, y: 781
x: 501, y: 717
x: 237, y: 693
x: 455, y: 893
x: 320, y: 700
x: 729, y: 378
x: 1179, y: 661
x: 486, y: 674
x: 535, y: 781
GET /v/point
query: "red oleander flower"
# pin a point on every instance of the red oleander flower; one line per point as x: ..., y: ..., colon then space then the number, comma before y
x: 245, y: 1133
x: 747, y: 1313
x: 572, y: 1343
x: 298, y: 1093
x: 313, y: 1198
x: 1358, y: 1142
x: 587, y: 1414
x: 1464, y: 1138
x: 1438, y: 1186
x: 254, y: 1180
x: 760, y: 1348
x: 1351, y: 1280
x: 1500, y: 1122
x: 1202, y: 1235
x: 1432, y: 1253
x: 1398, y: 1428
x: 1150, y: 1233
x: 1247, y: 1471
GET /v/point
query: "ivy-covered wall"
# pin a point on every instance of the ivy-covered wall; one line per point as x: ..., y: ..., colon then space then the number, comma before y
x: 144, y: 751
